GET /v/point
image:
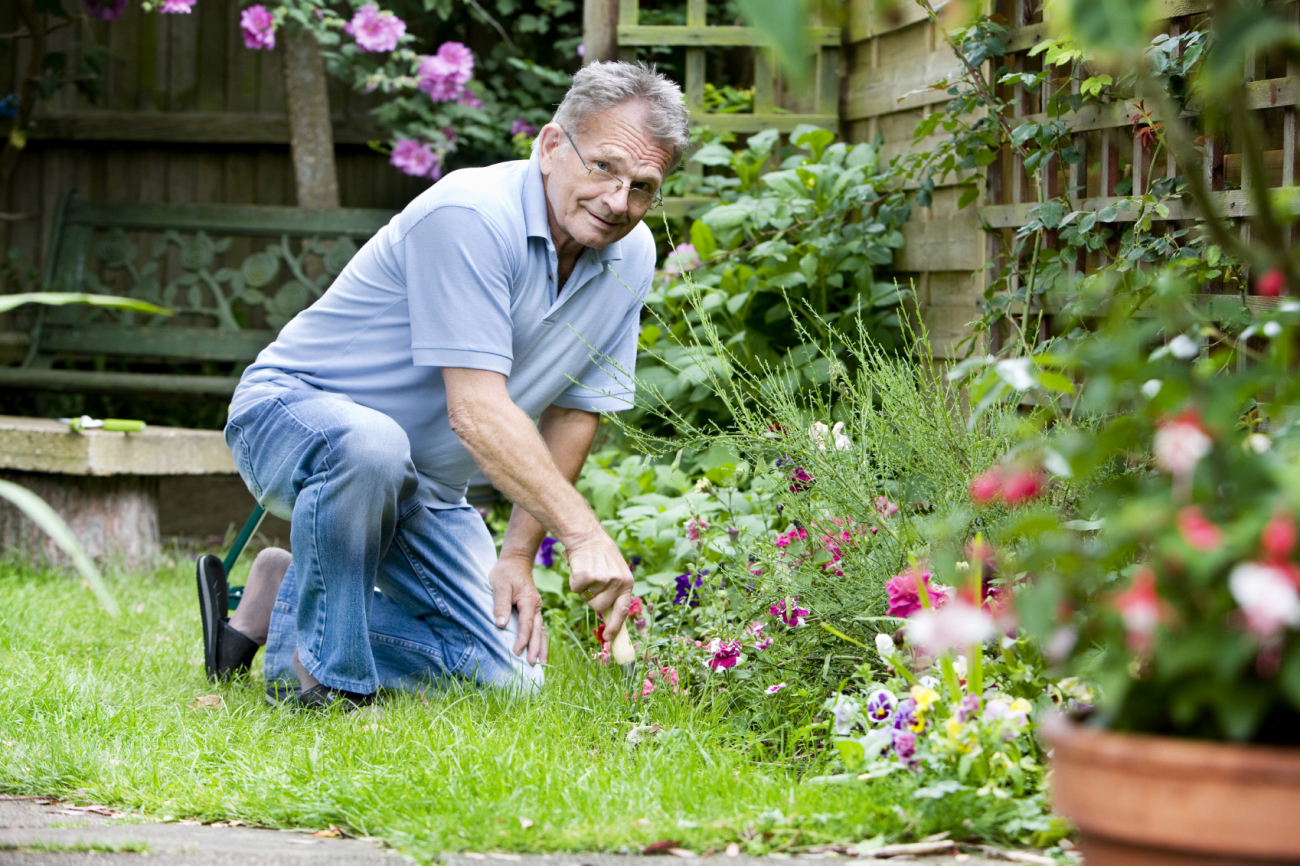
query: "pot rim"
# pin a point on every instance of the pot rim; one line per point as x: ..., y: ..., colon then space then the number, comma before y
x: 1171, y: 756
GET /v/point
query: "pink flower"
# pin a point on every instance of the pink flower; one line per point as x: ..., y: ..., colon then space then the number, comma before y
x: 1139, y: 608
x: 669, y: 675
x: 522, y: 127
x: 106, y: 10
x: 1180, y: 443
x: 469, y: 99
x: 954, y: 625
x: 415, y: 158
x: 647, y: 686
x: 986, y: 487
x: 771, y: 690
x: 458, y: 60
x: 693, y: 527
x: 603, y: 655
x: 800, y: 480
x: 443, y: 75
x: 682, y: 259
x: 885, y: 507
x: 1197, y: 531
x: 376, y: 29
x: 905, y: 596
x: 1279, y: 536
x: 1267, y: 596
x: 1271, y: 284
x: 581, y: 50
x: 177, y: 7
x: 725, y: 654
x: 795, y: 533
x: 763, y: 644
x: 789, y: 613
x: 258, y: 26
x: 634, y: 609
x: 1021, y: 484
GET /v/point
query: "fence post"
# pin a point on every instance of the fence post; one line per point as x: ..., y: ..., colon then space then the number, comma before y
x: 599, y: 31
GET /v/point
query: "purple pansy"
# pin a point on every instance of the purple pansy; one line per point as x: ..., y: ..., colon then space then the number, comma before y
x: 905, y: 746
x: 545, y: 553
x: 880, y: 705
x: 968, y: 707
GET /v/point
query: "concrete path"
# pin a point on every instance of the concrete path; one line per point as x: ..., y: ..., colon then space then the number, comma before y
x: 43, y: 833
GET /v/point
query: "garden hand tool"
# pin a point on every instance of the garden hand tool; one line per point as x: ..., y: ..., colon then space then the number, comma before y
x: 620, y: 649
x: 119, y: 425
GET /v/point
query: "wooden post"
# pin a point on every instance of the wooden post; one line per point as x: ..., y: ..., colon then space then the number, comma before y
x: 311, y: 137
x: 29, y: 91
x: 629, y: 13
x: 599, y: 31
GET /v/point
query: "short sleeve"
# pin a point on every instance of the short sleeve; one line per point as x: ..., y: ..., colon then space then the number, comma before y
x: 458, y: 278
x: 609, y: 382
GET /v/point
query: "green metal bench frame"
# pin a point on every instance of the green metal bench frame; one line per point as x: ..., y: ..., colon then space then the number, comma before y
x: 86, y: 234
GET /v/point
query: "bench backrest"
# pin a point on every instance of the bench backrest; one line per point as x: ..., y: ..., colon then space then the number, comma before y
x: 234, y: 274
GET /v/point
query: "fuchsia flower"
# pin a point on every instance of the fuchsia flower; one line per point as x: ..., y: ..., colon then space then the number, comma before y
x: 986, y: 487
x: 176, y: 7
x: 905, y: 596
x: 1271, y: 284
x: 258, y: 26
x: 106, y: 10
x: 793, y: 534
x: 1012, y: 485
x: 375, y: 29
x: 800, y: 480
x: 682, y: 259
x: 1197, y: 531
x: 522, y: 127
x: 789, y: 613
x: 725, y: 654
x: 1139, y: 608
x: 416, y: 158
x: 771, y: 690
x: 885, y: 508
x: 1181, y: 442
x: 1279, y: 537
x: 1267, y: 595
x: 647, y: 686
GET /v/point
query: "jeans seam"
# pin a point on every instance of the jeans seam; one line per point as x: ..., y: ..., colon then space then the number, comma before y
x: 418, y: 570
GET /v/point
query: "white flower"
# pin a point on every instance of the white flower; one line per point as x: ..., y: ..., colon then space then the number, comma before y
x: 845, y: 711
x: 1151, y: 387
x: 956, y: 625
x: 1257, y: 442
x: 818, y: 431
x: 1267, y: 597
x: 841, y: 441
x: 1179, y: 445
x: 885, y: 646
x: 1184, y: 347
x: 1017, y: 372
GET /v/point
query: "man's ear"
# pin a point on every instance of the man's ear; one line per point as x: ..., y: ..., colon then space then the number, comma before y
x: 548, y: 141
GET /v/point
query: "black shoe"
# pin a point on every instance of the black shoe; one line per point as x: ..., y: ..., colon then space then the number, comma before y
x: 226, y: 652
x: 282, y: 694
x: 322, y: 697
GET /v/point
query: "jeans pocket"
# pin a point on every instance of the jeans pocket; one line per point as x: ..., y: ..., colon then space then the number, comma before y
x: 239, y: 449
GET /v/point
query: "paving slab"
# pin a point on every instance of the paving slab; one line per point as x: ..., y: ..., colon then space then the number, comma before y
x: 45, y: 445
x: 44, y: 833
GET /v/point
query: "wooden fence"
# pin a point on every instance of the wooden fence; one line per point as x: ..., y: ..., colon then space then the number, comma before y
x: 187, y: 115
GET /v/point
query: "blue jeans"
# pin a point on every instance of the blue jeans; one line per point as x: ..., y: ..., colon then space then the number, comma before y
x: 342, y: 474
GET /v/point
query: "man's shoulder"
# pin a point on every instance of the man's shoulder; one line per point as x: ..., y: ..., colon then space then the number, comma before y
x: 639, y: 247
x: 493, y: 191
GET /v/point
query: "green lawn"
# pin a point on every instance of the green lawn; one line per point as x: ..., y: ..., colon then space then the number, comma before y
x: 96, y: 709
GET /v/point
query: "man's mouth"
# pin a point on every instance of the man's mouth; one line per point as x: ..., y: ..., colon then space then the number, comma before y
x: 603, y: 222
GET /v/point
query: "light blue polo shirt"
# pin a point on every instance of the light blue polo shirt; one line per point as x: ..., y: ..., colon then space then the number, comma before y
x: 465, y: 276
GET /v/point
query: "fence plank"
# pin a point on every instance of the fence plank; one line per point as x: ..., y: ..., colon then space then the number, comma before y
x: 669, y: 34
x: 870, y: 95
x: 187, y: 127
x: 1228, y: 204
x: 941, y: 245
x: 758, y: 122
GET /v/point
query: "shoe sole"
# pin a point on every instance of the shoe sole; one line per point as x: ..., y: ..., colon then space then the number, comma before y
x: 211, y: 578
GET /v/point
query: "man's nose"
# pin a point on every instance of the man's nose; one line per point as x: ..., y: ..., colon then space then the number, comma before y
x: 617, y: 201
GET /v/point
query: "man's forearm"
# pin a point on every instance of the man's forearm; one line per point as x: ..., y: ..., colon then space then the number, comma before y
x: 512, y: 453
x: 568, y: 434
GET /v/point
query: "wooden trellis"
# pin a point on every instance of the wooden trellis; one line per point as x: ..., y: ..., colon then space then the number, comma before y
x: 817, y: 103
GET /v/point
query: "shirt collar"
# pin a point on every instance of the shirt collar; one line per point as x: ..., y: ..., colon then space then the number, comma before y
x: 536, y: 223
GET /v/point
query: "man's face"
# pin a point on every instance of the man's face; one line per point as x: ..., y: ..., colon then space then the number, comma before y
x: 579, y: 206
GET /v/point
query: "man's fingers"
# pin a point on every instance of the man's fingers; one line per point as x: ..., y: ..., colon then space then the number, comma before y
x: 546, y: 646
x: 537, y: 643
x: 528, y: 612
x: 617, y: 613
x: 502, y: 599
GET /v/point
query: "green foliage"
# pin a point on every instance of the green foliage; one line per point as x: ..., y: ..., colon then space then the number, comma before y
x: 805, y: 230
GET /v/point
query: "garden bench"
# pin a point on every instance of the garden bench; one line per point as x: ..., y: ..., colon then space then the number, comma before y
x: 234, y: 274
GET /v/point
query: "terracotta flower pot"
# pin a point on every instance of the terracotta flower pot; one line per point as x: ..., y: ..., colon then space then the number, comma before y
x: 1159, y: 801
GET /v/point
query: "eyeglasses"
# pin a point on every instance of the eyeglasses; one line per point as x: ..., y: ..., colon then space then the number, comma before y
x: 639, y: 198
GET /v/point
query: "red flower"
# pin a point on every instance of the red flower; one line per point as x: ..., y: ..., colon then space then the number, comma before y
x: 1139, y: 607
x: 1197, y: 531
x: 1279, y: 536
x: 1271, y: 284
x: 634, y: 608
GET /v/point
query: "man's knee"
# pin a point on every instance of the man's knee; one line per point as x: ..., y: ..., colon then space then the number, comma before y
x: 377, y: 451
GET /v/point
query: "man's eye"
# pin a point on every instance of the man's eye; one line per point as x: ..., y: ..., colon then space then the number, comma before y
x: 642, y: 187
x: 603, y: 166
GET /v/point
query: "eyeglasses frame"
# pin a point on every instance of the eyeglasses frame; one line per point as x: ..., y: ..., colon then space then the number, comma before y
x: 658, y: 199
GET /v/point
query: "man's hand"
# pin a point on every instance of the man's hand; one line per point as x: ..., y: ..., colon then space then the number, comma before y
x: 598, y: 573
x: 512, y: 586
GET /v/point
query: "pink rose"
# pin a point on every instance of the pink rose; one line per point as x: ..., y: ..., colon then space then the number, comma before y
x: 258, y: 26
x: 376, y: 29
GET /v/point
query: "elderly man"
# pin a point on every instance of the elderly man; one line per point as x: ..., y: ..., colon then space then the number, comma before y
x: 476, y: 330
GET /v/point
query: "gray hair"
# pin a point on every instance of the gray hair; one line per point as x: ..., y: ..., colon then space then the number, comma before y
x: 602, y: 86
